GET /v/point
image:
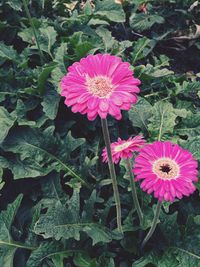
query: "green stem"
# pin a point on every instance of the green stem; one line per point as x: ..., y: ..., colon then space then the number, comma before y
x: 159, y: 204
x: 112, y: 173
x: 33, y: 28
x: 134, y: 192
x: 154, y: 223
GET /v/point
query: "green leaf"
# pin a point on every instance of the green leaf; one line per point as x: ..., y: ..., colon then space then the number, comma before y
x: 47, y: 39
x: 23, y: 168
x: 60, y: 54
x: 170, y: 227
x: 44, y: 149
x: 167, y: 259
x: 46, y: 251
x: 66, y: 222
x: 187, y: 87
x: 82, y: 49
x: 15, y: 4
x: 60, y: 70
x: 97, y: 22
x: 56, y: 75
x: 107, y: 38
x: 7, y: 52
x: 149, y: 72
x: 140, y: 113
x: 50, y: 103
x: 163, y: 119
x: 46, y: 70
x: 27, y: 35
x: 141, y: 22
x: 193, y: 145
x: 6, y: 122
x: 142, y: 48
x: 7, y: 245
x: 190, y: 126
x: 83, y: 260
x: 110, y: 10
x: 7, y: 216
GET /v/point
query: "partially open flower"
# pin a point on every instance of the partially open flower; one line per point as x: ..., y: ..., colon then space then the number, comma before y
x: 124, y: 148
x: 100, y: 85
x: 167, y: 170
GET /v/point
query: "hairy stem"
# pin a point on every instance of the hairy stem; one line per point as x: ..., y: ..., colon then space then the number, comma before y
x: 112, y: 173
x: 33, y: 29
x: 134, y: 192
x: 154, y: 223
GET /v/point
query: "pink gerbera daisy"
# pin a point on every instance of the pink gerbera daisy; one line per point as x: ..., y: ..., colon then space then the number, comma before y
x: 167, y: 170
x: 100, y: 85
x: 124, y: 148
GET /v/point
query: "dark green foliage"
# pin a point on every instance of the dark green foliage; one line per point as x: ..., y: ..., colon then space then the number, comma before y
x: 56, y: 202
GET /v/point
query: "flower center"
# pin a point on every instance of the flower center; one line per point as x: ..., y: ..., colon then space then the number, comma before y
x: 122, y: 146
x: 166, y: 168
x: 100, y: 86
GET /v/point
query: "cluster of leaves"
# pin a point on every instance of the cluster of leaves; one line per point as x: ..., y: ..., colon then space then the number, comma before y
x: 56, y: 197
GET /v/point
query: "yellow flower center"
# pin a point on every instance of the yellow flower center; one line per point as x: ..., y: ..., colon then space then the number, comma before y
x: 166, y: 168
x: 100, y: 86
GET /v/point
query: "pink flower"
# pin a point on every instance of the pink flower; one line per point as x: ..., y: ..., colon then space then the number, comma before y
x: 124, y: 148
x: 167, y: 170
x: 100, y: 85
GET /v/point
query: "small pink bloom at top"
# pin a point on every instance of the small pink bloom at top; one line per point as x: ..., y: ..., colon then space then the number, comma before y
x: 100, y: 85
x: 124, y: 148
x: 167, y: 170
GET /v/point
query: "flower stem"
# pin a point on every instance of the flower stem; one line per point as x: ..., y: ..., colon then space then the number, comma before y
x: 134, y: 192
x: 154, y: 223
x: 33, y: 28
x: 112, y: 173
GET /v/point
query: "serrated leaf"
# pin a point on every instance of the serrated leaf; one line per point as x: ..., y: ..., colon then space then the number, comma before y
x: 50, y: 103
x: 193, y: 145
x: 107, y: 38
x: 190, y: 126
x: 149, y: 72
x: 141, y: 48
x: 7, y: 245
x: 140, y: 113
x: 110, y: 10
x: 61, y: 222
x: 163, y: 119
x: 165, y: 260
x: 27, y: 35
x: 187, y: 87
x: 47, y: 39
x: 23, y: 169
x: 6, y: 122
x: 46, y: 251
x: 141, y: 22
x: 47, y: 151
x: 7, y: 52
